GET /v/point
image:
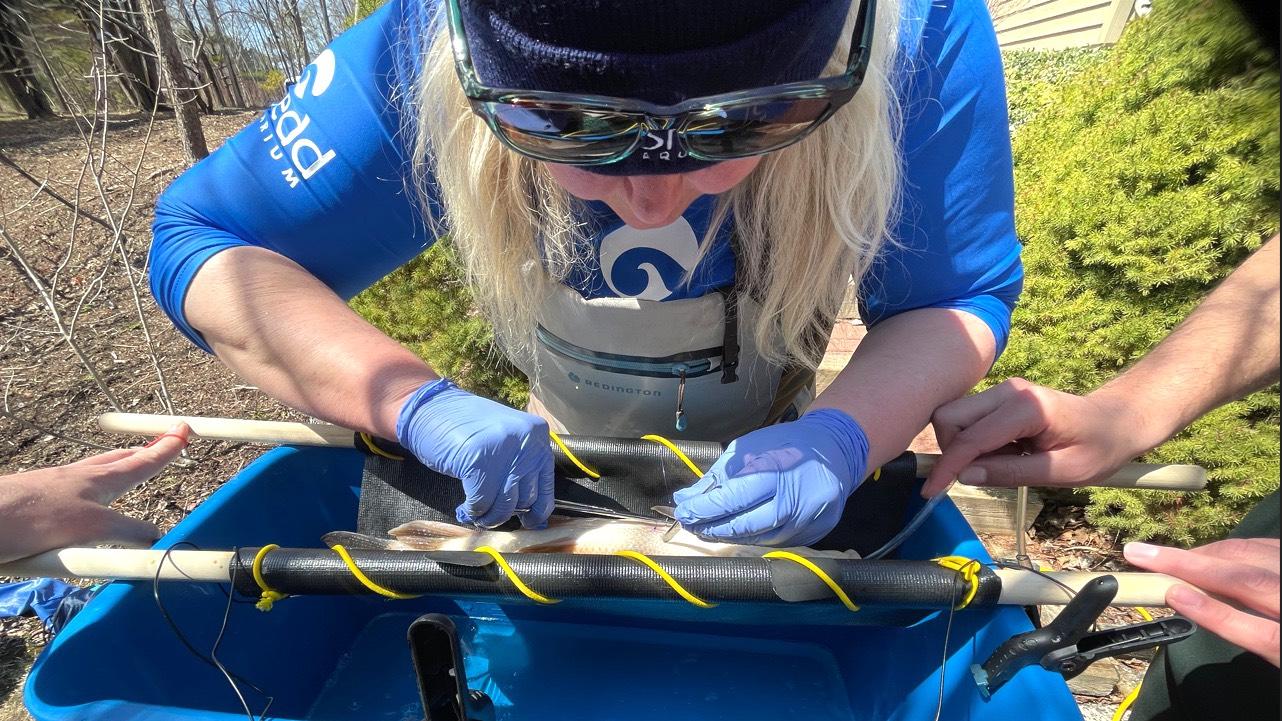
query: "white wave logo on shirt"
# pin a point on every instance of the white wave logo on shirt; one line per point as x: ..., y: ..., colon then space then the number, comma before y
x: 648, y: 264
x: 285, y: 128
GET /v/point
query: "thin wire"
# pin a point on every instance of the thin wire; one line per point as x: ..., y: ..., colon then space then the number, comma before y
x: 232, y: 678
x: 213, y: 655
x: 189, y: 577
x: 1072, y: 593
x: 1015, y: 566
x: 943, y: 663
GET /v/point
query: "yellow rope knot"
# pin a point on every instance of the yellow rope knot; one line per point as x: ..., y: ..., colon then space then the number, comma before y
x: 969, y: 570
x: 269, y: 595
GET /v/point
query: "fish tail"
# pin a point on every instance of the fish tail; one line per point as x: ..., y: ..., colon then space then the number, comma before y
x: 355, y: 541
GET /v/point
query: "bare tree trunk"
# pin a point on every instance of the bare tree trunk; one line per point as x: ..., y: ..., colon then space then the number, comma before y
x: 210, y: 72
x: 14, y: 66
x: 215, y: 19
x: 112, y: 26
x: 213, y: 91
x: 297, y: 18
x: 329, y: 29
x: 176, y: 81
x: 286, y: 43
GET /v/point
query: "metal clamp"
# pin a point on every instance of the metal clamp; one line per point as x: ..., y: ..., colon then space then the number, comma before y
x: 1067, y: 645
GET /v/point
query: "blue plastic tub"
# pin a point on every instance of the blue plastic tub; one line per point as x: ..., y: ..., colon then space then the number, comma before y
x: 329, y: 658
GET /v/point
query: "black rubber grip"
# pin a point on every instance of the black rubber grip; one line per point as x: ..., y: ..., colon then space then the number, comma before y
x: 898, y: 584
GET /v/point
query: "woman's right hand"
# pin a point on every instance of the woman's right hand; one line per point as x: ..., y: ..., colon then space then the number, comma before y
x: 503, y: 456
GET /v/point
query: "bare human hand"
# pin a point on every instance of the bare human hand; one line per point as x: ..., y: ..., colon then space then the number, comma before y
x: 1241, y: 571
x: 1065, y: 440
x: 67, y: 505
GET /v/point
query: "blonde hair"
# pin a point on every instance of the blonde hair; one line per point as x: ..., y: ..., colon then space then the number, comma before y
x: 808, y: 219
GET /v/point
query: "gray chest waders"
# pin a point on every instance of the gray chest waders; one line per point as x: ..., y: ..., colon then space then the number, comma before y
x: 627, y: 367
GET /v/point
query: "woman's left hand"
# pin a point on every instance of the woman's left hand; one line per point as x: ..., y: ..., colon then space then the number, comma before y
x: 782, y: 485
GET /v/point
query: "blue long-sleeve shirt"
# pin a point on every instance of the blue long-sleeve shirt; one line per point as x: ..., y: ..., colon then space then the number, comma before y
x: 322, y: 178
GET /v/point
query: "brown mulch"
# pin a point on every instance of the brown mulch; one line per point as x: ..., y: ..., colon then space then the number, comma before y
x: 41, y: 380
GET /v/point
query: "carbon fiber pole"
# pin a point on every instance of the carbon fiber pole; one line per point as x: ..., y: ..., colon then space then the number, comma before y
x: 899, y: 584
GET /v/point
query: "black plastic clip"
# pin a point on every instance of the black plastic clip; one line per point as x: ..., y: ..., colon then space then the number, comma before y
x: 438, y: 663
x: 1066, y: 644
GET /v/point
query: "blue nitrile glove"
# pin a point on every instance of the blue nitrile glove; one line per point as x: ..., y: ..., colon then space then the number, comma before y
x: 503, y: 456
x: 782, y: 485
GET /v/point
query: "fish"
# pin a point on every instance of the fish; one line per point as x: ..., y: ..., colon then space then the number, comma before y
x: 563, y: 534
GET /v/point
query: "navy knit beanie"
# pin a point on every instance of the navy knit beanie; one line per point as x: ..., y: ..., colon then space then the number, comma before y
x: 663, y: 51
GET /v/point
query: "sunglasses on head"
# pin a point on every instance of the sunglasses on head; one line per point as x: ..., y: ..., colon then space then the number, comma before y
x: 598, y: 129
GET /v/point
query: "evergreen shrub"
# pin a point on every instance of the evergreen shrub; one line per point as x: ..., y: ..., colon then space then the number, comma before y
x: 426, y: 307
x: 1033, y: 76
x: 1140, y: 183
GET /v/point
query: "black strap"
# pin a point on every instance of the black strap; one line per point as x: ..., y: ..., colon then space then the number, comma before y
x: 730, y: 337
x: 730, y: 298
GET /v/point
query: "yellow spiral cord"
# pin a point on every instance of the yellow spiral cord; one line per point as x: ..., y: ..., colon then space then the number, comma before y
x: 515, y: 579
x: 372, y: 447
x: 673, y: 447
x: 573, y: 458
x: 966, y: 566
x: 823, y: 576
x: 667, y: 578
x: 365, y: 580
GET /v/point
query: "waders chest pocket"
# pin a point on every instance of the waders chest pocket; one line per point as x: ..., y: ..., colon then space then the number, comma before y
x: 681, y: 366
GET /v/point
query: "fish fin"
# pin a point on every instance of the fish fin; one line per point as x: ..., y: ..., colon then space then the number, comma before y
x: 470, y: 560
x: 430, y: 529
x: 812, y: 553
x: 355, y: 541
x: 563, y: 546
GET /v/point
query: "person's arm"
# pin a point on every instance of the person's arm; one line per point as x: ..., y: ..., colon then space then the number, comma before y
x: 273, y: 322
x: 258, y: 246
x: 905, y: 367
x: 1225, y: 349
x: 68, y: 505
x: 937, y: 303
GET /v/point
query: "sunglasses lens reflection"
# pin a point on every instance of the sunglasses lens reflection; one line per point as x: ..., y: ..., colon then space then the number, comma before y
x: 754, y: 128
x: 565, y: 134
